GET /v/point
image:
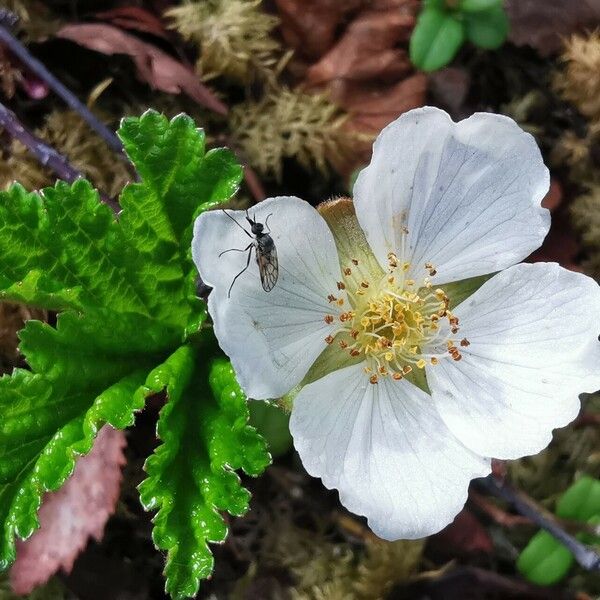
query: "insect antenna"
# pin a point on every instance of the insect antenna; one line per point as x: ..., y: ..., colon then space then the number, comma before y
x: 240, y: 226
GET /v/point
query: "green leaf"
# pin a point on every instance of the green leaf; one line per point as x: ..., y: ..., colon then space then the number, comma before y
x: 54, y: 246
x: 273, y: 424
x: 487, y: 29
x: 545, y: 561
x: 478, y: 5
x: 127, y: 291
x: 436, y: 39
x: 205, y: 438
x: 178, y: 181
x: 581, y: 502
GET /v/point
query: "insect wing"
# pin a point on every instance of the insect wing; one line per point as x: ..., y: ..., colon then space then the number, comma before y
x: 268, y: 267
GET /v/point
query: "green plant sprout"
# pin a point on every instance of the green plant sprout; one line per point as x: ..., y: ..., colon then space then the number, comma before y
x: 545, y: 561
x: 444, y: 25
x: 130, y: 325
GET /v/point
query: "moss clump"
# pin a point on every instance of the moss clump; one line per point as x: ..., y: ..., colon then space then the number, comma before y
x: 585, y: 213
x: 579, y: 82
x: 68, y: 133
x: 291, y: 124
x: 234, y: 37
x: 327, y: 570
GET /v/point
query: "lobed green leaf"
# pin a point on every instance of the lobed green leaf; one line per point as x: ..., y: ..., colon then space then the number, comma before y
x: 205, y: 437
x: 127, y: 289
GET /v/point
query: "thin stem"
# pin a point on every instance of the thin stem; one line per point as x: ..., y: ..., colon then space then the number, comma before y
x: 35, y: 66
x: 584, y: 555
x: 44, y: 153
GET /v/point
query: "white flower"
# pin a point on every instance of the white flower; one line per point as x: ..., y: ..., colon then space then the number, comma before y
x: 406, y: 389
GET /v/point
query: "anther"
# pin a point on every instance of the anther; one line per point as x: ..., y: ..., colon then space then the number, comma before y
x: 354, y: 333
x: 328, y: 319
x: 341, y: 285
x: 396, y: 376
x: 421, y: 363
x: 343, y: 344
x: 331, y: 298
x: 373, y: 379
x: 340, y: 302
x: 354, y: 262
x: 364, y: 284
x: 465, y: 342
x: 434, y: 360
x: 347, y: 271
x: 329, y: 339
x: 354, y: 352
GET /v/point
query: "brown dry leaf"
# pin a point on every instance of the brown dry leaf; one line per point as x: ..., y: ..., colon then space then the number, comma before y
x: 367, y: 71
x: 372, y: 109
x: 136, y: 18
x: 157, y: 68
x: 543, y: 23
x: 73, y: 514
x: 310, y: 26
x: 463, y: 537
x: 368, y: 49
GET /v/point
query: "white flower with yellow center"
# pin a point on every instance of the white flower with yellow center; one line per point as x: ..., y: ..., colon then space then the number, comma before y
x: 408, y: 368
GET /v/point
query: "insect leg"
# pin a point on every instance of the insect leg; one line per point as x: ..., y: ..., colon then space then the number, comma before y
x: 242, y: 228
x: 237, y: 249
x: 247, y: 265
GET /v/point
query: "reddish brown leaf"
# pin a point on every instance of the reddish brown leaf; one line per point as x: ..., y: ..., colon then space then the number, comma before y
x: 372, y: 109
x: 464, y: 536
x: 368, y: 49
x: 133, y: 17
x: 157, y: 68
x: 310, y: 26
x: 73, y: 514
x: 542, y: 23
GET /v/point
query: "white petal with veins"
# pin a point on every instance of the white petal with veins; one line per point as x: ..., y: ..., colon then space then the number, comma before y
x: 469, y: 194
x: 272, y: 338
x: 386, y: 450
x: 533, y: 332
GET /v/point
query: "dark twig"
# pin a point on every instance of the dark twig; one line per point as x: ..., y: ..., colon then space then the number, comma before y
x: 585, y: 556
x: 44, y: 153
x: 35, y: 66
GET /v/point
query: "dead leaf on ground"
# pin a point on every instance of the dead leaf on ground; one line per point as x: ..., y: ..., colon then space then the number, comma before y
x: 310, y: 26
x: 542, y: 23
x: 369, y: 48
x: 73, y: 514
x: 463, y: 537
x: 154, y: 66
x: 136, y: 18
x: 366, y: 71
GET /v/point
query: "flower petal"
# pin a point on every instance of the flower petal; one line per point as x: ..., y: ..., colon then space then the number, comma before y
x: 468, y: 193
x: 386, y: 450
x: 271, y: 337
x: 533, y: 333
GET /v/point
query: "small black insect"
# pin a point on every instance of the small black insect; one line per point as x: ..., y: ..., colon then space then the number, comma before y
x: 264, y: 250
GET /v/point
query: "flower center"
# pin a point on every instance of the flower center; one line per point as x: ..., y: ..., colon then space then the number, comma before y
x: 395, y: 323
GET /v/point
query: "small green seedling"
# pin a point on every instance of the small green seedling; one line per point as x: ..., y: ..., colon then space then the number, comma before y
x: 545, y: 561
x: 444, y: 25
